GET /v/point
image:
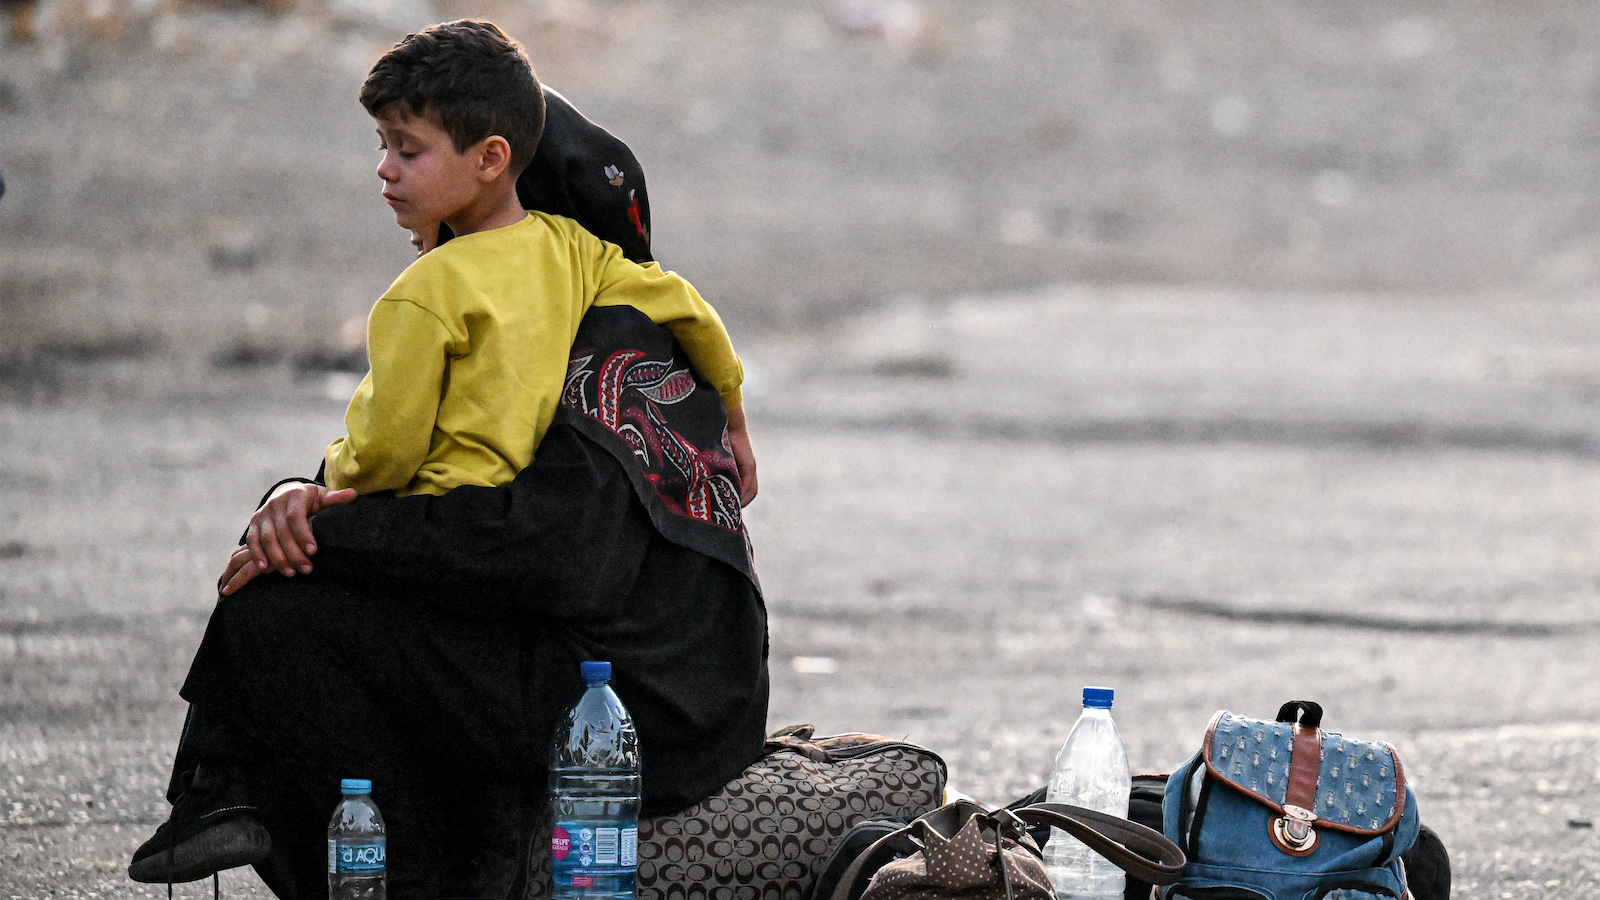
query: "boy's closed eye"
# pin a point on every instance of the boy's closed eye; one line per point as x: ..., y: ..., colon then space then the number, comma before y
x: 401, y: 151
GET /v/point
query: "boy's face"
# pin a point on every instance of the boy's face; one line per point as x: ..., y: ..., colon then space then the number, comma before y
x: 425, y: 180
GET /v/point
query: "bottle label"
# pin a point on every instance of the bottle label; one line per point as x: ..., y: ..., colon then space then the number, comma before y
x: 356, y: 858
x: 629, y: 842
x: 585, y: 850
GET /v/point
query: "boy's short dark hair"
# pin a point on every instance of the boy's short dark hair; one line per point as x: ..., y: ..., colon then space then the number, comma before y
x: 472, y: 76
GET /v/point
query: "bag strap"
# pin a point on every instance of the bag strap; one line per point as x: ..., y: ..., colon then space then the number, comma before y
x: 847, y: 882
x: 1142, y: 852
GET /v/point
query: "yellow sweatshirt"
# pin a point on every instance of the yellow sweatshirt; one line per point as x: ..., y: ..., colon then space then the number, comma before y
x: 469, y: 346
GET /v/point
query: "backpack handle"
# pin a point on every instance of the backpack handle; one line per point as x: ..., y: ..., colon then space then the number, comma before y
x: 1302, y: 712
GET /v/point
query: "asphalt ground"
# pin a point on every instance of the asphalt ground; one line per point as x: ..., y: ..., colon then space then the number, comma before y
x: 1383, y: 501
x: 969, y: 509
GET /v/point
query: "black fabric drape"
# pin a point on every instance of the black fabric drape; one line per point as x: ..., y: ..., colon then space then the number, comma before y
x: 568, y: 554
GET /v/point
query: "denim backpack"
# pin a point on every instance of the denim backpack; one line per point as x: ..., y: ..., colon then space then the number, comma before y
x: 1285, y: 811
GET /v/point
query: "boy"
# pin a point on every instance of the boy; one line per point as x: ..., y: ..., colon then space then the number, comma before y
x: 468, y: 348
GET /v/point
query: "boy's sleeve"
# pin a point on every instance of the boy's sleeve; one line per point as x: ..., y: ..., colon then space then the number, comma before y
x: 674, y: 303
x: 389, y: 425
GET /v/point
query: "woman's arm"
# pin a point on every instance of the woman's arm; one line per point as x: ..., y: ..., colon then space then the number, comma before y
x: 562, y: 539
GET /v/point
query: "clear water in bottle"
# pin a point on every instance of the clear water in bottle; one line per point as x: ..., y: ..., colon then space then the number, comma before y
x: 594, y: 795
x: 1090, y: 771
x: 358, y: 858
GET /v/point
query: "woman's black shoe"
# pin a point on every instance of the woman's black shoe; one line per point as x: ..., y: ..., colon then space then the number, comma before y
x: 192, y: 845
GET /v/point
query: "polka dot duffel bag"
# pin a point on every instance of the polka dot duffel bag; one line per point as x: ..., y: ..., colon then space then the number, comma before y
x: 767, y: 833
x: 967, y: 851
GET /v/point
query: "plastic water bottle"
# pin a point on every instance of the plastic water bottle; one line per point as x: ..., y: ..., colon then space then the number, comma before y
x: 1090, y: 771
x: 594, y: 795
x: 357, y: 848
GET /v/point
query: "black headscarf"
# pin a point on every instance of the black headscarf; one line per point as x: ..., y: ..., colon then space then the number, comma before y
x: 587, y: 174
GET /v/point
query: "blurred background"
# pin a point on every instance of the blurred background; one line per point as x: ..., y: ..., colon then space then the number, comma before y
x: 195, y: 177
x: 1224, y: 353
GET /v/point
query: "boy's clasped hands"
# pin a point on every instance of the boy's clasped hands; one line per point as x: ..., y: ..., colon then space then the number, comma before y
x: 279, y: 538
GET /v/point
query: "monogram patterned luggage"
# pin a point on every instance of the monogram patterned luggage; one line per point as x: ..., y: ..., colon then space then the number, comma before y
x: 766, y: 834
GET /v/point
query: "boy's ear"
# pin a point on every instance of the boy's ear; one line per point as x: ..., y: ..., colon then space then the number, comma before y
x: 494, y: 157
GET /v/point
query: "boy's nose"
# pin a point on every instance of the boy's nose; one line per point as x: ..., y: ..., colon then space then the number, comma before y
x: 387, y: 169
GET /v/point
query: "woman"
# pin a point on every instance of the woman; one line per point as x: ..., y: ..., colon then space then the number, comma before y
x: 437, y: 639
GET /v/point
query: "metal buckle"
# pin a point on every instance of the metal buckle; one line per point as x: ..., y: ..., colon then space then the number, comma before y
x: 1009, y: 818
x: 1292, y: 831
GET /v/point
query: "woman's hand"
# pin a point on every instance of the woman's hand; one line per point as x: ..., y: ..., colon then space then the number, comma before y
x: 743, y: 456
x: 279, y: 537
x: 425, y: 238
x: 241, y: 569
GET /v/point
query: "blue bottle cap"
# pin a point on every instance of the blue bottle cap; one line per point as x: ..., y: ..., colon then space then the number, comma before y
x: 595, y: 672
x: 1098, y: 697
x: 352, y: 786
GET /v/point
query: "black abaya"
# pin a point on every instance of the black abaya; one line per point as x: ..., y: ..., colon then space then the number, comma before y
x: 436, y: 643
